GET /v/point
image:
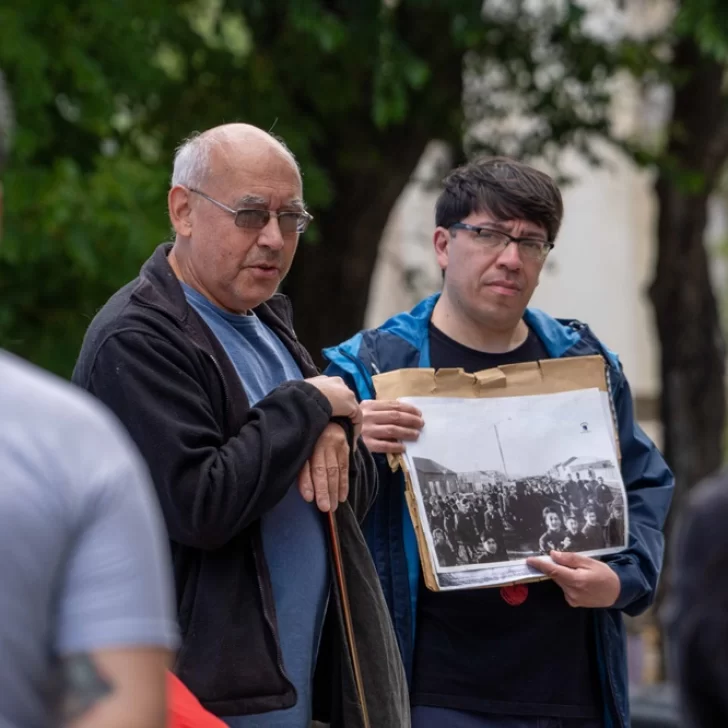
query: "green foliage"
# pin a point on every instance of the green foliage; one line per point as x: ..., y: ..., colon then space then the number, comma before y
x: 707, y: 22
x: 104, y: 91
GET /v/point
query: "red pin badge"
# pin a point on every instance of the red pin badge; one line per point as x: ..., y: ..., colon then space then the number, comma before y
x: 515, y: 594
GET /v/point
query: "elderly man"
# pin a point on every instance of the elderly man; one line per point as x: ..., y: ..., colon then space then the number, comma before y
x: 199, y: 359
x: 551, y: 653
x: 86, y: 602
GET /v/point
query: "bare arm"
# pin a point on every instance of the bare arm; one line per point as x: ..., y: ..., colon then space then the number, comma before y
x: 115, y: 689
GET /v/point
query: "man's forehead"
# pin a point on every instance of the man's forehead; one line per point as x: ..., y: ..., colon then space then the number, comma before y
x: 253, y: 199
x: 255, y: 170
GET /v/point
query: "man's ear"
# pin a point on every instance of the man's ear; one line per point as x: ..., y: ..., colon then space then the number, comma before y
x: 441, y: 241
x: 178, y: 204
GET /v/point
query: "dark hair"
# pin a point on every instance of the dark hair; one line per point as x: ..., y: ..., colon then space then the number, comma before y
x: 6, y: 122
x: 506, y: 189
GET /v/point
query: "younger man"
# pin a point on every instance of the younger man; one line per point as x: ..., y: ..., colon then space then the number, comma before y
x: 486, y: 658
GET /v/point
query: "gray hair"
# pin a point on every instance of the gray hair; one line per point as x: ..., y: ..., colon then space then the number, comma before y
x: 6, y: 122
x: 192, y: 157
x: 192, y: 160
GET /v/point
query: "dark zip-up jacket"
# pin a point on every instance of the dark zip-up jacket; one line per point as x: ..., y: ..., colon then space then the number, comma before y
x: 218, y: 465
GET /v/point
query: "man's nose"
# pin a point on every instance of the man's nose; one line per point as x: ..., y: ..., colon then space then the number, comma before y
x: 271, y: 236
x: 510, y: 256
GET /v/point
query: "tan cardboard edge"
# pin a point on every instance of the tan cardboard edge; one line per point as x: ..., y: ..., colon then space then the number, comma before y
x: 546, y: 376
x: 511, y: 380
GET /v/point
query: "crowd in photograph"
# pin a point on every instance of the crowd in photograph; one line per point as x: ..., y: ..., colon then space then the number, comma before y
x: 516, y: 519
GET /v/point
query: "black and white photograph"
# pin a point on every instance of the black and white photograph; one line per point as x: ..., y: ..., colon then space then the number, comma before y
x: 500, y: 479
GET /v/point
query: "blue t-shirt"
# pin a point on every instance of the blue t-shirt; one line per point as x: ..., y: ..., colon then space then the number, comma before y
x: 294, y: 538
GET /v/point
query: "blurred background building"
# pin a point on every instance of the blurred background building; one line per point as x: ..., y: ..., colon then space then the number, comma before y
x: 600, y: 270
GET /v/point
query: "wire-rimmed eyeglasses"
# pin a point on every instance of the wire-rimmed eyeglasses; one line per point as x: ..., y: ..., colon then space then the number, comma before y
x: 255, y: 218
x: 531, y: 248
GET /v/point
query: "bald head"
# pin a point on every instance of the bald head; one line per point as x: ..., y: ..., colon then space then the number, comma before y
x: 236, y: 205
x: 222, y: 147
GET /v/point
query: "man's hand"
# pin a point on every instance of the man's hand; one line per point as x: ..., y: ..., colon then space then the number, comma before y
x: 325, y: 476
x: 341, y: 398
x: 385, y: 423
x: 586, y: 582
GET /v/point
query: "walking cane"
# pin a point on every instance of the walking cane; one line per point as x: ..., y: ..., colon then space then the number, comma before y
x: 348, y: 624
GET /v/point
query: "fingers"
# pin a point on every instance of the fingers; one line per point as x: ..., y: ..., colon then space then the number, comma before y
x: 332, y: 476
x: 305, y: 483
x: 410, y: 419
x: 388, y: 423
x: 342, y: 455
x: 342, y: 400
x: 390, y: 432
x: 385, y: 446
x: 392, y: 405
x: 560, y: 574
x: 572, y: 560
x: 320, y: 478
x: 325, y: 477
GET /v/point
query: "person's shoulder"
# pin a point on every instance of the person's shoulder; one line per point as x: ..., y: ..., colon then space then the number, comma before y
x: 565, y: 336
x: 708, y: 501
x: 41, y: 394
x: 118, y: 313
x: 61, y: 425
x: 701, y: 531
x: 391, y: 345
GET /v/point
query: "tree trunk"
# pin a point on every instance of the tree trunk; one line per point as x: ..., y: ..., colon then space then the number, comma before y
x: 343, y: 259
x: 692, y: 349
x: 369, y: 167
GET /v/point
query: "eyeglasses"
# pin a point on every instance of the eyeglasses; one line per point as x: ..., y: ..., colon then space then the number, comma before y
x: 253, y: 218
x: 530, y: 248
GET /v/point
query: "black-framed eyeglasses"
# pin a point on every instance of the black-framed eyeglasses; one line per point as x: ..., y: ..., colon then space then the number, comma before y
x: 531, y: 248
x: 254, y: 218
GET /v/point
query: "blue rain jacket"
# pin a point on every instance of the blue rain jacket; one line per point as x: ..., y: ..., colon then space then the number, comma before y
x: 403, y: 342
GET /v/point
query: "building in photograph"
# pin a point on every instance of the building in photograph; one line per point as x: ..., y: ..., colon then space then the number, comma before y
x: 435, y: 479
x: 479, y: 481
x: 585, y: 468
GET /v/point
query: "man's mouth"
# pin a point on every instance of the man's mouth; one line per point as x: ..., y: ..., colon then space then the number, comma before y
x: 264, y: 269
x: 504, y: 288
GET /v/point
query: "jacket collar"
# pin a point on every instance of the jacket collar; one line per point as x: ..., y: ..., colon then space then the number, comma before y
x: 558, y: 336
x: 159, y: 288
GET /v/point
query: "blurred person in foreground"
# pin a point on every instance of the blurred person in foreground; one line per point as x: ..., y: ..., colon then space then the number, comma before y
x: 546, y: 654
x: 695, y: 611
x: 86, y: 603
x: 248, y: 447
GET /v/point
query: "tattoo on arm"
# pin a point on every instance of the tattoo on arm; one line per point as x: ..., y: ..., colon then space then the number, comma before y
x: 82, y: 686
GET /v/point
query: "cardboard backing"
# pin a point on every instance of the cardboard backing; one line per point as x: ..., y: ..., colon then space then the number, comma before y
x: 547, y: 376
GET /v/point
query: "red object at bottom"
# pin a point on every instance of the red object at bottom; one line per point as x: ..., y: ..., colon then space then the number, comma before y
x: 515, y: 594
x: 184, y: 710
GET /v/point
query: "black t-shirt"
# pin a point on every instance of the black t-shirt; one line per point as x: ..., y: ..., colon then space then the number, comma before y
x: 476, y: 652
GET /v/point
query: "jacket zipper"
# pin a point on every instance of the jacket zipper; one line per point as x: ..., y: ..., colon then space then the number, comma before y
x: 256, y: 558
x: 615, y: 716
x: 218, y: 369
